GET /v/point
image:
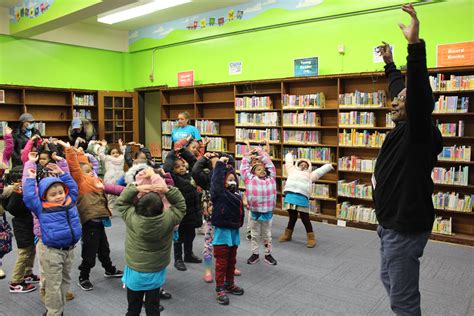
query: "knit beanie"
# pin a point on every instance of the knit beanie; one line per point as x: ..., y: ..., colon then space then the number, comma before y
x: 26, y: 117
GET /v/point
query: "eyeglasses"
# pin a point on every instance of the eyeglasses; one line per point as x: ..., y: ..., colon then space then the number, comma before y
x: 401, y: 98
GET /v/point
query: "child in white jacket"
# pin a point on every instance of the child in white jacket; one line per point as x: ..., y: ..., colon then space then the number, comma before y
x: 297, y: 194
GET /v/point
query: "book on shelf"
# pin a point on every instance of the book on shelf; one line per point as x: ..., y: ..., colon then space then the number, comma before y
x: 168, y: 126
x: 356, y: 213
x: 41, y: 127
x: 361, y: 138
x: 452, y: 201
x: 207, y: 127
x: 303, y: 137
x: 451, y: 104
x: 315, y: 100
x: 451, y: 129
x: 82, y: 113
x: 83, y: 99
x: 3, y: 125
x: 266, y: 118
x: 216, y: 144
x: 455, y: 153
x: 443, y: 225
x: 240, y: 150
x: 453, y: 175
x: 354, y: 189
x: 388, y: 120
x: 255, y: 102
x: 355, y: 163
x: 166, y: 141
x: 270, y: 134
x: 164, y: 153
x: 366, y: 119
x: 314, y: 154
x: 305, y: 118
x: 317, y: 189
x: 362, y: 99
x: 314, y: 206
x: 440, y: 82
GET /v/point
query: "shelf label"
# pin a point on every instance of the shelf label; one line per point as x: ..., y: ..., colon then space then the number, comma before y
x: 341, y: 223
x: 306, y: 67
x: 455, y: 54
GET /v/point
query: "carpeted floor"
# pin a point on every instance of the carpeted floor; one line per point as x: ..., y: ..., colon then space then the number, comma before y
x: 338, y: 277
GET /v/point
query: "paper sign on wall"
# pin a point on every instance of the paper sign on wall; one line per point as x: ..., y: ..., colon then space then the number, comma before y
x: 235, y: 68
x: 376, y: 58
x: 455, y: 54
x: 185, y: 78
x: 306, y: 67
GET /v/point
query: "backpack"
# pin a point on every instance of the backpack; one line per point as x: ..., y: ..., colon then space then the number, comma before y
x: 6, y: 236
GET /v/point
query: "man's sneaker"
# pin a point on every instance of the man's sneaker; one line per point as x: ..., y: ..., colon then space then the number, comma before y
x: 253, y: 259
x: 179, y: 265
x: 165, y: 295
x: 116, y: 274
x: 21, y: 287
x: 270, y: 260
x: 85, y: 285
x: 234, y: 289
x: 222, y: 298
x: 31, y: 279
x: 192, y: 259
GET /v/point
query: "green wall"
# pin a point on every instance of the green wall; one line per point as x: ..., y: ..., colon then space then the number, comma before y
x: 270, y: 53
x: 37, y: 63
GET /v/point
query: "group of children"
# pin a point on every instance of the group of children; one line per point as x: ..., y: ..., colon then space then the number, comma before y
x: 57, y: 198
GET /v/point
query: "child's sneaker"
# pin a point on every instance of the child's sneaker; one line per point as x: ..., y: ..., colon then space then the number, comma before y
x: 2, y: 274
x: 21, y: 287
x: 248, y: 236
x: 85, y: 285
x: 253, y: 259
x: 234, y: 289
x: 116, y: 274
x: 31, y: 279
x: 270, y: 260
x: 222, y: 298
x: 237, y: 272
x: 208, y: 278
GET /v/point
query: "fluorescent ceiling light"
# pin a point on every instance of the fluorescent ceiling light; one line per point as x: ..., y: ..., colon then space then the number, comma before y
x: 141, y: 10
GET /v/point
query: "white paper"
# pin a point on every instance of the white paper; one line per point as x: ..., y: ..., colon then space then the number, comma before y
x: 377, y: 58
x: 341, y: 223
x: 235, y: 68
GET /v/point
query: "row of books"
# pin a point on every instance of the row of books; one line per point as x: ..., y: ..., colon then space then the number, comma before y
x: 168, y: 126
x: 455, y: 153
x: 451, y: 201
x: 359, y: 99
x: 443, y: 225
x: 83, y: 99
x: 315, y: 154
x: 440, y: 82
x: 166, y: 141
x: 452, y: 129
x: 314, y: 206
x: 388, y: 120
x: 315, y: 100
x: 451, y: 175
x: 253, y: 103
x: 355, y: 163
x: 267, y: 118
x: 364, y: 138
x: 356, y: 213
x: 82, y: 113
x: 216, y: 144
x: 3, y: 125
x: 304, y: 137
x: 271, y: 134
x: 207, y: 127
x: 357, y: 118
x: 317, y: 189
x: 301, y: 119
x: 241, y: 149
x: 354, y: 189
x: 452, y: 104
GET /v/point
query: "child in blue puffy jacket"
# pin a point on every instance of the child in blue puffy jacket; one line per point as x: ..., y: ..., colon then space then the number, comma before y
x: 54, y: 203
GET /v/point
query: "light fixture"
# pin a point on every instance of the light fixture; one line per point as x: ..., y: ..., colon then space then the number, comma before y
x: 141, y: 10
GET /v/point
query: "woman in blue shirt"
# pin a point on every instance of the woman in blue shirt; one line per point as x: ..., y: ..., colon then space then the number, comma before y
x: 184, y: 130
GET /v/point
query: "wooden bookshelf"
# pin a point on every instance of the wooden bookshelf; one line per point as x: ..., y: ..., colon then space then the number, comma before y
x: 214, y: 103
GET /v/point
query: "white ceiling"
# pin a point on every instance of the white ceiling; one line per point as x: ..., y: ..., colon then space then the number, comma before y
x: 8, y: 3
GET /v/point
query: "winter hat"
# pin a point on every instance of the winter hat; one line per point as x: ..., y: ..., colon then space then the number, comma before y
x: 26, y: 117
x: 76, y: 123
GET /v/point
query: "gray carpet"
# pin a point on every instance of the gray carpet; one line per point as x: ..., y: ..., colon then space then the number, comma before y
x: 338, y: 277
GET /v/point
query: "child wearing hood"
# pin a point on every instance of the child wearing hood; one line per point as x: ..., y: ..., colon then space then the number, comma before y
x: 297, y: 194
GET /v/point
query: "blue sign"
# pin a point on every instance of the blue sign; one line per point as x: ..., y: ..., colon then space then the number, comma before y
x: 306, y: 67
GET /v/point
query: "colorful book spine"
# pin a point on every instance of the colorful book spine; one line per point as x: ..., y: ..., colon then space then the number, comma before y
x: 452, y: 202
x: 302, y: 137
x: 451, y: 175
x: 356, y: 213
x: 263, y: 102
x: 83, y: 99
x: 3, y: 125
x: 314, y: 154
x: 166, y: 141
x: 388, y: 120
x: 455, y: 153
x: 270, y: 134
x: 356, y: 118
x: 241, y: 149
x: 216, y: 144
x: 167, y: 126
x: 354, y: 163
x: 354, y: 189
x: 316, y: 100
x: 361, y: 99
x: 82, y: 113
x: 264, y: 119
x: 443, y: 225
x: 364, y: 138
x: 207, y: 127
x: 451, y: 104
x: 451, y: 129
x: 305, y: 118
x: 440, y: 82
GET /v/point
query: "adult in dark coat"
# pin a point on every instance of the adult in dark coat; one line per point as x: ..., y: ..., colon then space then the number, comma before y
x: 25, y: 130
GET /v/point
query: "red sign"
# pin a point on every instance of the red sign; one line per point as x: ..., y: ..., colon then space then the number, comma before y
x: 455, y: 54
x: 185, y: 78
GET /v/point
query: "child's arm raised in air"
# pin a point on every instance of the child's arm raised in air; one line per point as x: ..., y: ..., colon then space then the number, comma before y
x: 289, y: 165
x: 125, y: 200
x: 218, y: 177
x: 30, y: 191
x: 321, y: 171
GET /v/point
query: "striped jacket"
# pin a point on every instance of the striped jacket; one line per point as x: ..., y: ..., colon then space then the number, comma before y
x: 261, y: 192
